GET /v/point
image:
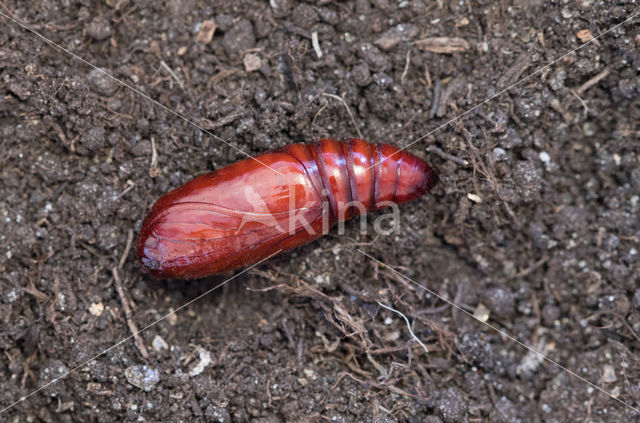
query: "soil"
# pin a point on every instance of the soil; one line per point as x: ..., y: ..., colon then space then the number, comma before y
x: 534, y: 226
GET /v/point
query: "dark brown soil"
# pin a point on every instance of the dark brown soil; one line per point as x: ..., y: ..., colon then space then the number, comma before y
x: 550, y: 255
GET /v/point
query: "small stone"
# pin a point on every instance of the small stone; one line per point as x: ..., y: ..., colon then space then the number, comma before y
x: 464, y: 21
x: 142, y: 377
x: 474, y: 197
x: 528, y: 181
x: 550, y: 314
x: 450, y: 404
x: 383, y: 80
x: 215, y: 413
x: 608, y: 374
x: 107, y: 237
x: 621, y: 304
x: 557, y: 80
x: 94, y: 139
x: 20, y: 90
x: 172, y: 318
x: 500, y: 300
x: 98, y: 29
x: 304, y: 15
x: 481, y: 313
x: 636, y: 299
x: 101, y: 83
x: 628, y: 87
x: 94, y: 387
x: 374, y: 58
x: 252, y: 62
x: 504, y: 411
x: 544, y: 157
x: 96, y: 309
x: 205, y: 35
x: 510, y: 139
x: 361, y: 75
x: 239, y: 38
x: 224, y: 22
x: 310, y: 374
x: 159, y: 344
x: 635, y: 178
x: 499, y: 154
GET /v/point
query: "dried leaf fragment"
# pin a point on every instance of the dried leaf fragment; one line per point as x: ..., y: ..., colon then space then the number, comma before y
x: 443, y: 45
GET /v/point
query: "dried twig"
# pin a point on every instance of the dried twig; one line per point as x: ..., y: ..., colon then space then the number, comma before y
x: 446, y: 45
x: 447, y: 156
x: 154, y: 170
x: 593, y: 81
x: 513, y: 73
x: 436, y: 99
x: 127, y: 312
x: 407, y: 63
x: 172, y: 73
x: 390, y: 388
x: 125, y: 253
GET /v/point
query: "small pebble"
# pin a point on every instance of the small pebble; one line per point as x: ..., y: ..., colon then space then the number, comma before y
x: 527, y: 179
x: 252, y: 62
x: 101, y: 83
x: 499, y: 154
x: 96, y: 309
x: 557, y: 80
x: 481, y: 313
x: 20, y: 90
x: 93, y: 139
x: 636, y: 299
x: 550, y: 313
x: 239, y: 38
x: 361, y: 75
x: 142, y: 377
x: 475, y: 198
x: 205, y: 35
x: 98, y: 29
x: 500, y: 300
x: 450, y: 404
x: 159, y: 344
x: 608, y: 374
